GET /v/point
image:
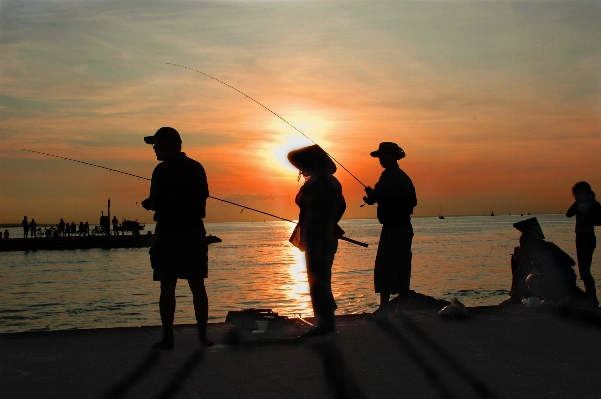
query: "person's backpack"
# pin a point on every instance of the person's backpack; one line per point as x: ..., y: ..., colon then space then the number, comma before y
x: 563, y: 261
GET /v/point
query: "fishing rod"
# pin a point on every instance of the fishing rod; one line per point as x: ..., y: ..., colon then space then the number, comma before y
x: 215, y: 198
x: 267, y: 109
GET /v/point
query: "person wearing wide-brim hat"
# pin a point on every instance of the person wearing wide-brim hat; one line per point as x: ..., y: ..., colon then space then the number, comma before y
x: 178, y: 194
x: 321, y: 206
x: 543, y: 269
x: 395, y: 195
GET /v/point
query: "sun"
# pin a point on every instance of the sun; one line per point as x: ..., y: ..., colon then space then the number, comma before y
x: 315, y: 124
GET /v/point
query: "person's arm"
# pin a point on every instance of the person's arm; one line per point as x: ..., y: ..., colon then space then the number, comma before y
x: 572, y: 210
x: 150, y: 202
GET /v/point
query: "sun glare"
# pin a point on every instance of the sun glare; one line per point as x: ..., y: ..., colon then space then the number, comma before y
x: 314, y: 124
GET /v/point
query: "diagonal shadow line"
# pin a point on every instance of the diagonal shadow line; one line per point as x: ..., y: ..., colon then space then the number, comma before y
x: 479, y: 386
x: 173, y: 387
x: 121, y: 388
x: 430, y: 373
x: 340, y: 381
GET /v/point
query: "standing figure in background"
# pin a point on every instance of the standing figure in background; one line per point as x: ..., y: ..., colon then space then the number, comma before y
x: 61, y: 228
x: 178, y: 194
x: 33, y: 227
x: 80, y: 230
x: 586, y: 209
x: 321, y: 206
x: 115, y: 226
x: 86, y: 229
x: 395, y: 195
x: 6, y: 234
x: 73, y: 229
x: 25, y: 225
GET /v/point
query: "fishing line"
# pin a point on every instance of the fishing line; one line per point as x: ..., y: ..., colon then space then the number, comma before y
x: 267, y: 109
x: 215, y: 198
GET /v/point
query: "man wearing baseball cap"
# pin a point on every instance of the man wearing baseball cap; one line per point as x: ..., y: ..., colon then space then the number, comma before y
x: 395, y: 195
x: 178, y: 195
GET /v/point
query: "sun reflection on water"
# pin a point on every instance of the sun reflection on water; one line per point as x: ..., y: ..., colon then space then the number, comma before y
x: 298, y: 288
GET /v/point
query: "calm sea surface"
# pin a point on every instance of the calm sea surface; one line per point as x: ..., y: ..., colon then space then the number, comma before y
x: 255, y: 266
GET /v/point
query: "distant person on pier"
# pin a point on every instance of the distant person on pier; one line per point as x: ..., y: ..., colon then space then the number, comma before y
x: 178, y: 194
x: 25, y: 225
x: 61, y: 228
x: 395, y: 195
x: 80, y: 230
x: 105, y: 224
x: 6, y: 234
x: 115, y: 226
x: 588, y: 212
x: 73, y: 229
x: 33, y: 227
x: 321, y: 206
x: 86, y: 229
x: 543, y: 269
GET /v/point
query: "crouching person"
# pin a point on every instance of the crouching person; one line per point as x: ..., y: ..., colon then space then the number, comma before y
x: 546, y: 269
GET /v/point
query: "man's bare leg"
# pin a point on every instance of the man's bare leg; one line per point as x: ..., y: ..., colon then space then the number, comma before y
x: 167, y: 311
x: 201, y: 308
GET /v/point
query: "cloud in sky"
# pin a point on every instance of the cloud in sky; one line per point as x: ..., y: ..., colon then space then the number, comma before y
x: 497, y: 104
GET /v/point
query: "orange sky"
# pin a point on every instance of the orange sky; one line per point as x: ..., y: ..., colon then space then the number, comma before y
x: 497, y: 104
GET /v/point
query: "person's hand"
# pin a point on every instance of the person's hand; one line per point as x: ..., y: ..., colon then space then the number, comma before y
x: 369, y: 191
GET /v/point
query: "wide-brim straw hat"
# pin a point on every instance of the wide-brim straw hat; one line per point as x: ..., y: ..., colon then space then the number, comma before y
x: 312, y: 159
x: 529, y: 225
x: 390, y: 149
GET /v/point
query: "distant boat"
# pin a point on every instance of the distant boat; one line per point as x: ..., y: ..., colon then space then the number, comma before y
x: 440, y: 214
x: 492, y: 213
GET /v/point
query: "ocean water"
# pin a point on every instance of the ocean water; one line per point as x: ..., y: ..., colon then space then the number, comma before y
x: 255, y: 266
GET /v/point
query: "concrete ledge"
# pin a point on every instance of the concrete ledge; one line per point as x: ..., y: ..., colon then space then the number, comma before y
x: 503, y: 352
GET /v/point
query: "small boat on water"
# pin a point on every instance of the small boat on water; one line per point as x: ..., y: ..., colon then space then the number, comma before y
x: 440, y: 214
x: 492, y: 213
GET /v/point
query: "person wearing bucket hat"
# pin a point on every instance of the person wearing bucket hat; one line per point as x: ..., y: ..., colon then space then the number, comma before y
x: 321, y: 206
x: 541, y: 268
x: 395, y: 195
x: 178, y: 194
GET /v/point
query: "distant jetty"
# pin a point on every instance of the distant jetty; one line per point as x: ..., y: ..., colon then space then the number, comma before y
x: 86, y: 242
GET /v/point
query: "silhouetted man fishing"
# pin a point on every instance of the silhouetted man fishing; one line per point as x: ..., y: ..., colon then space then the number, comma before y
x: 321, y: 206
x: 395, y: 195
x: 178, y: 194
